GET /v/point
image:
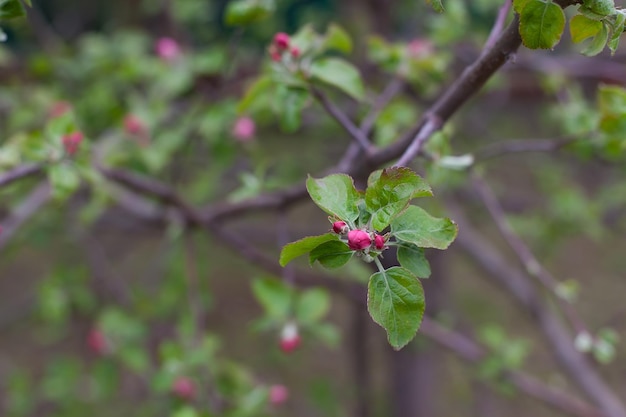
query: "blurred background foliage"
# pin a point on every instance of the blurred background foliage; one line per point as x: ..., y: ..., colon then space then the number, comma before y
x: 172, y: 303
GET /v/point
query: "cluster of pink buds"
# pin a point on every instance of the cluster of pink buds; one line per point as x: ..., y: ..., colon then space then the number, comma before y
x: 184, y: 388
x: 289, y: 338
x: 281, y: 45
x: 359, y: 239
x: 136, y: 128
x: 71, y: 142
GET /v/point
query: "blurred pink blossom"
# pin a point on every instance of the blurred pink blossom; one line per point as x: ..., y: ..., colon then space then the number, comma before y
x: 244, y: 129
x: 167, y: 49
x: 278, y: 394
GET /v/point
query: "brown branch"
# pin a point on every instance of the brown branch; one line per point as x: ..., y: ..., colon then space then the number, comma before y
x: 356, y: 133
x: 521, y: 146
x: 24, y: 211
x: 469, y: 350
x: 498, y: 25
x: 523, y: 252
x: 560, y: 341
x: 19, y: 172
x: 391, y: 90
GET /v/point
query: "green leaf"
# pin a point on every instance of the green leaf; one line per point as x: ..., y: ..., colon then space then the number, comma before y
x: 262, y: 86
x: 274, y: 295
x: 291, y: 103
x: 336, y: 195
x: 245, y: 12
x: 395, y: 300
x: 418, y: 227
x: 599, y: 7
x: 389, y: 192
x: 617, y: 31
x: 598, y: 43
x: 612, y: 100
x: 338, y: 39
x: 581, y: 28
x: 437, y: 5
x: 303, y: 246
x: 333, y: 254
x: 312, y: 306
x: 10, y: 9
x: 518, y: 5
x: 340, y: 74
x: 413, y: 258
x: 541, y: 24
x: 64, y: 180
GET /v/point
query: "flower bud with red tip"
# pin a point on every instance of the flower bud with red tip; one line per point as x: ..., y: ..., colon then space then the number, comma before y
x: 71, y: 142
x: 359, y: 239
x: 184, y: 388
x: 295, y: 52
x: 289, y: 338
x: 278, y: 394
x: 281, y: 40
x: 379, y: 241
x: 341, y: 228
x: 97, y: 343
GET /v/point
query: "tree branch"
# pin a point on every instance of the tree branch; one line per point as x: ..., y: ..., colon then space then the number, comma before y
x: 19, y: 172
x: 572, y: 361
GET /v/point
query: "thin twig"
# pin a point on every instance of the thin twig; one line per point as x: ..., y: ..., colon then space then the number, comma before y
x: 506, y: 147
x: 343, y: 120
x: 498, y: 25
x: 520, y: 288
x: 393, y: 88
x: 469, y: 350
x: 523, y: 252
x: 19, y: 172
x: 433, y: 124
x: 24, y: 211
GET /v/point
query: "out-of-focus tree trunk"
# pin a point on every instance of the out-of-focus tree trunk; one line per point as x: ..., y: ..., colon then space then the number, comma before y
x: 415, y: 369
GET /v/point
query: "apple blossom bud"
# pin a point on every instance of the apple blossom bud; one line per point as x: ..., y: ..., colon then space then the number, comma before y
x: 295, y: 51
x: 184, y: 388
x: 278, y: 394
x: 243, y: 129
x: 359, y: 239
x: 276, y: 56
x: 379, y: 241
x: 341, y: 228
x: 289, y: 338
x: 59, y: 108
x: 281, y: 40
x: 71, y: 142
x: 96, y: 342
x: 419, y: 48
x: 133, y: 125
x: 167, y: 49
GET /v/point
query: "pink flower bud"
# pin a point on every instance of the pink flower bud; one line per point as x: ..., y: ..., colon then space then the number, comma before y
x: 71, y: 142
x: 289, y: 338
x: 278, y: 394
x: 184, y: 388
x: 59, y: 108
x: 96, y: 342
x: 419, y: 48
x: 167, y: 49
x: 243, y: 129
x: 359, y: 239
x: 133, y: 125
x: 379, y: 241
x: 295, y: 51
x: 281, y: 40
x: 276, y: 56
x: 341, y: 228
